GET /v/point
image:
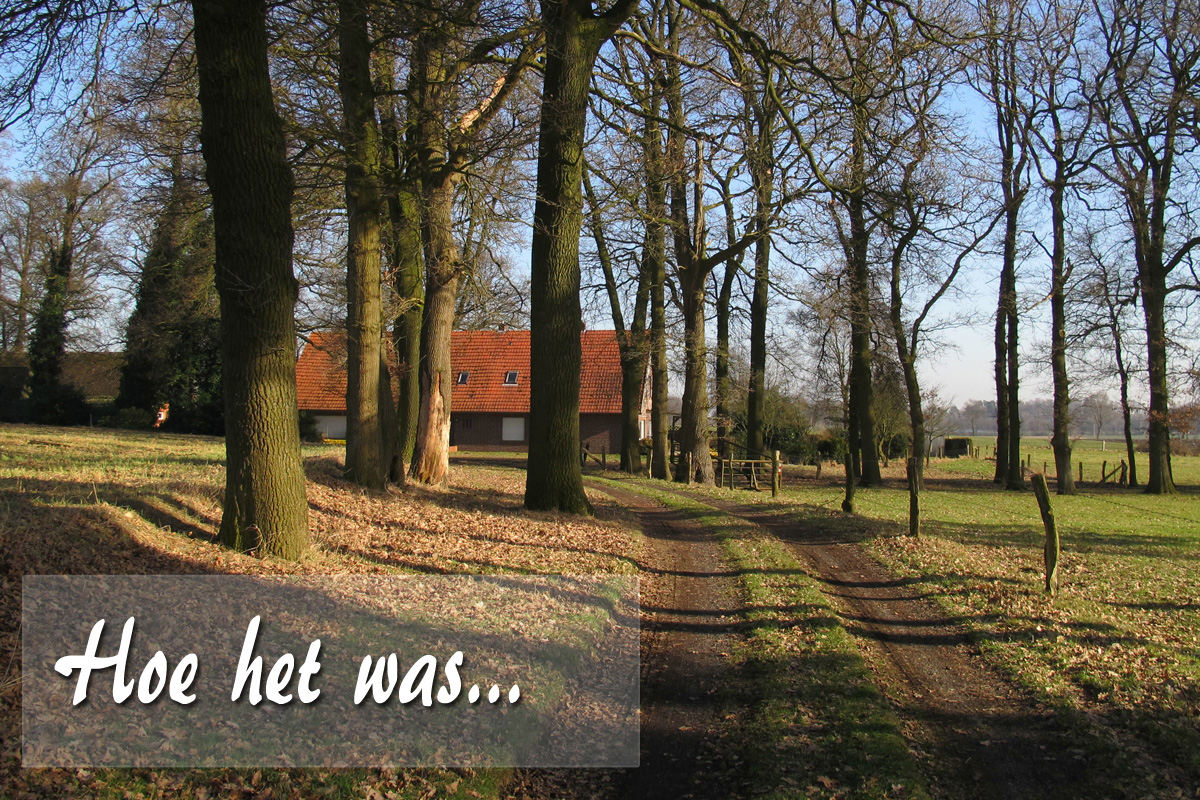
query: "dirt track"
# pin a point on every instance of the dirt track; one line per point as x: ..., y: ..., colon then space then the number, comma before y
x: 975, y: 735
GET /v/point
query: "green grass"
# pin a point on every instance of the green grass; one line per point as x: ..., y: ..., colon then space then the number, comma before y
x: 1092, y: 452
x: 814, y: 724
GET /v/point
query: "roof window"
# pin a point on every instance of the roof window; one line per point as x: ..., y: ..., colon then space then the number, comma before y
x: 462, y: 378
x: 510, y: 378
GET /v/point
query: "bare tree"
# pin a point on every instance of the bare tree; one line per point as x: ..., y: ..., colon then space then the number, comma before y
x: 1145, y: 97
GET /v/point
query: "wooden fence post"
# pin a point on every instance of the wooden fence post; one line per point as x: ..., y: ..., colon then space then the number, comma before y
x: 1052, y: 545
x: 1081, y: 472
x: 604, y: 458
x: 1124, y: 471
x: 775, y: 474
x: 914, y: 498
x: 687, y: 462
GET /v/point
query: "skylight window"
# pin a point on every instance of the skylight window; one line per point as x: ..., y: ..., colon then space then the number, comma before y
x: 510, y: 378
x: 462, y: 378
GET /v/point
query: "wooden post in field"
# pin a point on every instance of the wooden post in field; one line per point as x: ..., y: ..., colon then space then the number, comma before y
x: 914, y: 498
x: 1103, y: 471
x: 687, y: 460
x: 1052, y: 547
x: 1045, y: 467
x: 1124, y: 471
x: 775, y: 474
x: 721, y: 472
x: 820, y: 462
x: 604, y: 458
x: 1081, y: 472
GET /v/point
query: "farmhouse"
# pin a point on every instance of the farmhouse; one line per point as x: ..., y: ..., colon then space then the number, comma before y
x: 490, y: 397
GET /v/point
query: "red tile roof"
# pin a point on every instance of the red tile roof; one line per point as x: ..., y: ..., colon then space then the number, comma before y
x: 486, y: 357
x: 321, y: 374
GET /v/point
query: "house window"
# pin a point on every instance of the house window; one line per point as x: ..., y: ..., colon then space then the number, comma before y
x: 462, y: 378
x: 510, y: 378
x: 464, y: 423
x: 512, y: 429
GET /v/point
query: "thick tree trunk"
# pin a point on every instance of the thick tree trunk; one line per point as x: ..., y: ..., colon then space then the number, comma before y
x: 655, y: 268
x: 693, y: 422
x: 764, y: 191
x: 431, y: 454
x: 429, y: 87
x: 660, y: 424
x: 407, y: 270
x: 861, y: 388
x: 573, y: 38
x: 366, y: 461
x: 757, y: 390
x: 242, y: 140
x: 1060, y: 441
x: 1160, y: 480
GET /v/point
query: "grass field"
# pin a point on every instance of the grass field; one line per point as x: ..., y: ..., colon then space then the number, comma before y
x: 116, y: 502
x: 1092, y: 453
x: 1118, y: 648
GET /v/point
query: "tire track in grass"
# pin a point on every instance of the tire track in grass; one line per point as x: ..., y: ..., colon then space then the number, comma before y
x: 801, y: 716
x: 690, y: 604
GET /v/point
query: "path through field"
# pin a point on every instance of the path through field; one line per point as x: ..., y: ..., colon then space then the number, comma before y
x: 974, y: 734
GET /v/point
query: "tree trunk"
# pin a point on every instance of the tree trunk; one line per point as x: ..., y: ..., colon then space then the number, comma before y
x: 908, y: 358
x: 861, y: 388
x: 655, y: 268
x: 366, y: 462
x: 723, y: 384
x: 631, y: 344
x: 242, y: 140
x: 1001, y: 350
x: 408, y: 267
x: 757, y: 390
x: 431, y: 453
x: 1015, y: 478
x: 693, y: 422
x: 1060, y: 441
x: 574, y: 36
x: 1126, y: 411
x: 407, y: 270
x: 762, y: 176
x: 1160, y: 479
x: 429, y: 87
